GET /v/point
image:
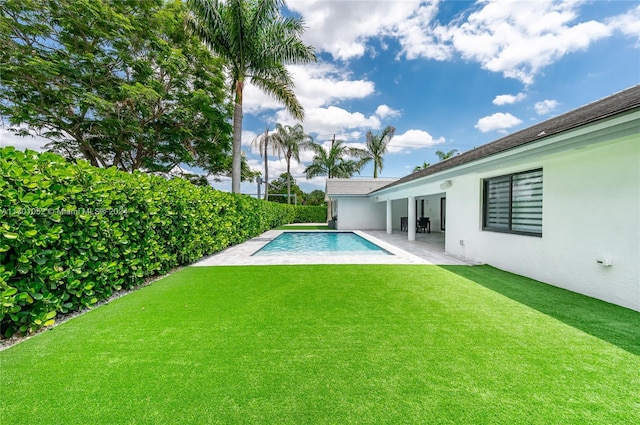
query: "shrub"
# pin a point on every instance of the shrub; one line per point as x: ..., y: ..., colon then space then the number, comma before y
x: 72, y: 234
x: 311, y: 214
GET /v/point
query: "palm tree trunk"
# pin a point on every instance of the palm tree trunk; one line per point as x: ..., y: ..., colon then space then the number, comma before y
x: 288, y: 180
x: 236, y: 168
x: 266, y: 164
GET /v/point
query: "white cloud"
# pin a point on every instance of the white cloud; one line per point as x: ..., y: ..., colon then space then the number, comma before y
x: 507, y: 99
x: 628, y: 23
x: 316, y: 85
x: 497, y: 121
x: 383, y: 111
x: 322, y: 84
x: 420, y: 38
x: 247, y: 138
x: 342, y: 28
x: 8, y: 138
x: 546, y: 106
x: 412, y: 139
x: 515, y: 38
x: 332, y: 120
x: 519, y: 38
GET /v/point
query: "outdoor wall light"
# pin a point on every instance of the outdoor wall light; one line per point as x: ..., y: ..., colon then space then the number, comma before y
x: 446, y: 184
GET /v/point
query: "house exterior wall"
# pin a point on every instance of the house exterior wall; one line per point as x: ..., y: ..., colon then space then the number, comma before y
x: 591, y: 211
x: 361, y: 213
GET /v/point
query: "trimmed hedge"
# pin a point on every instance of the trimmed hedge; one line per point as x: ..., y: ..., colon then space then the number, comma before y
x: 310, y: 214
x: 72, y: 234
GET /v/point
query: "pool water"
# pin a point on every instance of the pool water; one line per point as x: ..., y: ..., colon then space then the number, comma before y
x: 321, y: 243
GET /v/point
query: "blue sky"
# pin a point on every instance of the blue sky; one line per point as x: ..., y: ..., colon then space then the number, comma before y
x: 447, y: 74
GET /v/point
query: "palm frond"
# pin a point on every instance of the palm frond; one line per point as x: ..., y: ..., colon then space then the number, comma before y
x: 281, y: 92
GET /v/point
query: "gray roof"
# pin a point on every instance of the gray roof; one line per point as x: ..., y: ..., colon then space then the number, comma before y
x: 355, y: 186
x: 615, y: 104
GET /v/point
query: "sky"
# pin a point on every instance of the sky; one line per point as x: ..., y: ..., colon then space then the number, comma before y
x: 446, y: 74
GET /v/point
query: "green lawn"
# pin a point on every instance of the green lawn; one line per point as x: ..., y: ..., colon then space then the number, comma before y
x: 332, y: 345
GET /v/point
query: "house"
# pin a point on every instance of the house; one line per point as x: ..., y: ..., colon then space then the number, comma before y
x: 558, y: 202
x: 358, y: 212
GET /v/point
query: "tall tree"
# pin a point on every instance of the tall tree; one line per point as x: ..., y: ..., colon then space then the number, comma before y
x: 262, y: 142
x: 288, y: 141
x: 377, y: 147
x: 282, y: 186
x: 337, y: 162
x: 256, y: 42
x: 446, y: 155
x: 316, y: 197
x: 119, y: 83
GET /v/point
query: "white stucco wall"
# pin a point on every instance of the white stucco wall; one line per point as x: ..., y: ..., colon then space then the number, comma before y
x: 591, y: 211
x: 361, y: 213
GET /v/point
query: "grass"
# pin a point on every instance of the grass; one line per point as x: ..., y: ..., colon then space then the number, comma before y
x: 332, y: 345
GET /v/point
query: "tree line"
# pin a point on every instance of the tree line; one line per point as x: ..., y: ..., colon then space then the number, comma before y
x: 157, y: 85
x: 337, y: 161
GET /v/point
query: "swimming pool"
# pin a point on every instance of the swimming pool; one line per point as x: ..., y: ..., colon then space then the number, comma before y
x: 321, y: 243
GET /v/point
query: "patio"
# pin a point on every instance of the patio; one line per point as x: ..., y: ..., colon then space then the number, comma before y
x: 428, y: 248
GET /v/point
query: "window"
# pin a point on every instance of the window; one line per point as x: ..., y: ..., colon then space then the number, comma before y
x: 513, y: 203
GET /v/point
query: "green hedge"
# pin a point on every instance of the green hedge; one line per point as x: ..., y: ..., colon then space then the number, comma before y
x: 311, y: 214
x: 72, y: 234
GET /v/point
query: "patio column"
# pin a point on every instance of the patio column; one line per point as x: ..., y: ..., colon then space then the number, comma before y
x: 389, y: 218
x: 411, y: 226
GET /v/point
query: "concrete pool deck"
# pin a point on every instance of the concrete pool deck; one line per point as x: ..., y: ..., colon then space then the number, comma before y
x: 427, y: 249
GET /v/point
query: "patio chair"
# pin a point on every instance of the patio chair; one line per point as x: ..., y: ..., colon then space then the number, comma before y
x: 404, y: 224
x: 424, y: 225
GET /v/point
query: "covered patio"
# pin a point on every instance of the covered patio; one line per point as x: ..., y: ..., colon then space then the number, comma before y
x: 428, y: 246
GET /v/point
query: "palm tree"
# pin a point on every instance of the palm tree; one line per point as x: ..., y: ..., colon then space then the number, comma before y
x: 262, y: 143
x: 334, y: 163
x: 424, y: 165
x: 446, y: 155
x: 377, y: 147
x: 256, y: 42
x: 288, y: 141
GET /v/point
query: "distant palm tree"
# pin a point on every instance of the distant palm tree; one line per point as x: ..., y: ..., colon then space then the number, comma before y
x: 334, y: 163
x: 262, y: 142
x: 288, y: 141
x: 424, y: 165
x: 256, y: 42
x: 377, y: 147
x: 446, y: 155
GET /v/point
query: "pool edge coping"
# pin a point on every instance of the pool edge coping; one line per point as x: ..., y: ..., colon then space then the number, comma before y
x: 242, y: 254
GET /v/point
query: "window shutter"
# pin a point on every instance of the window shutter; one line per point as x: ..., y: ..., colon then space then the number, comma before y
x: 513, y: 203
x: 497, y: 212
x: 526, y: 202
